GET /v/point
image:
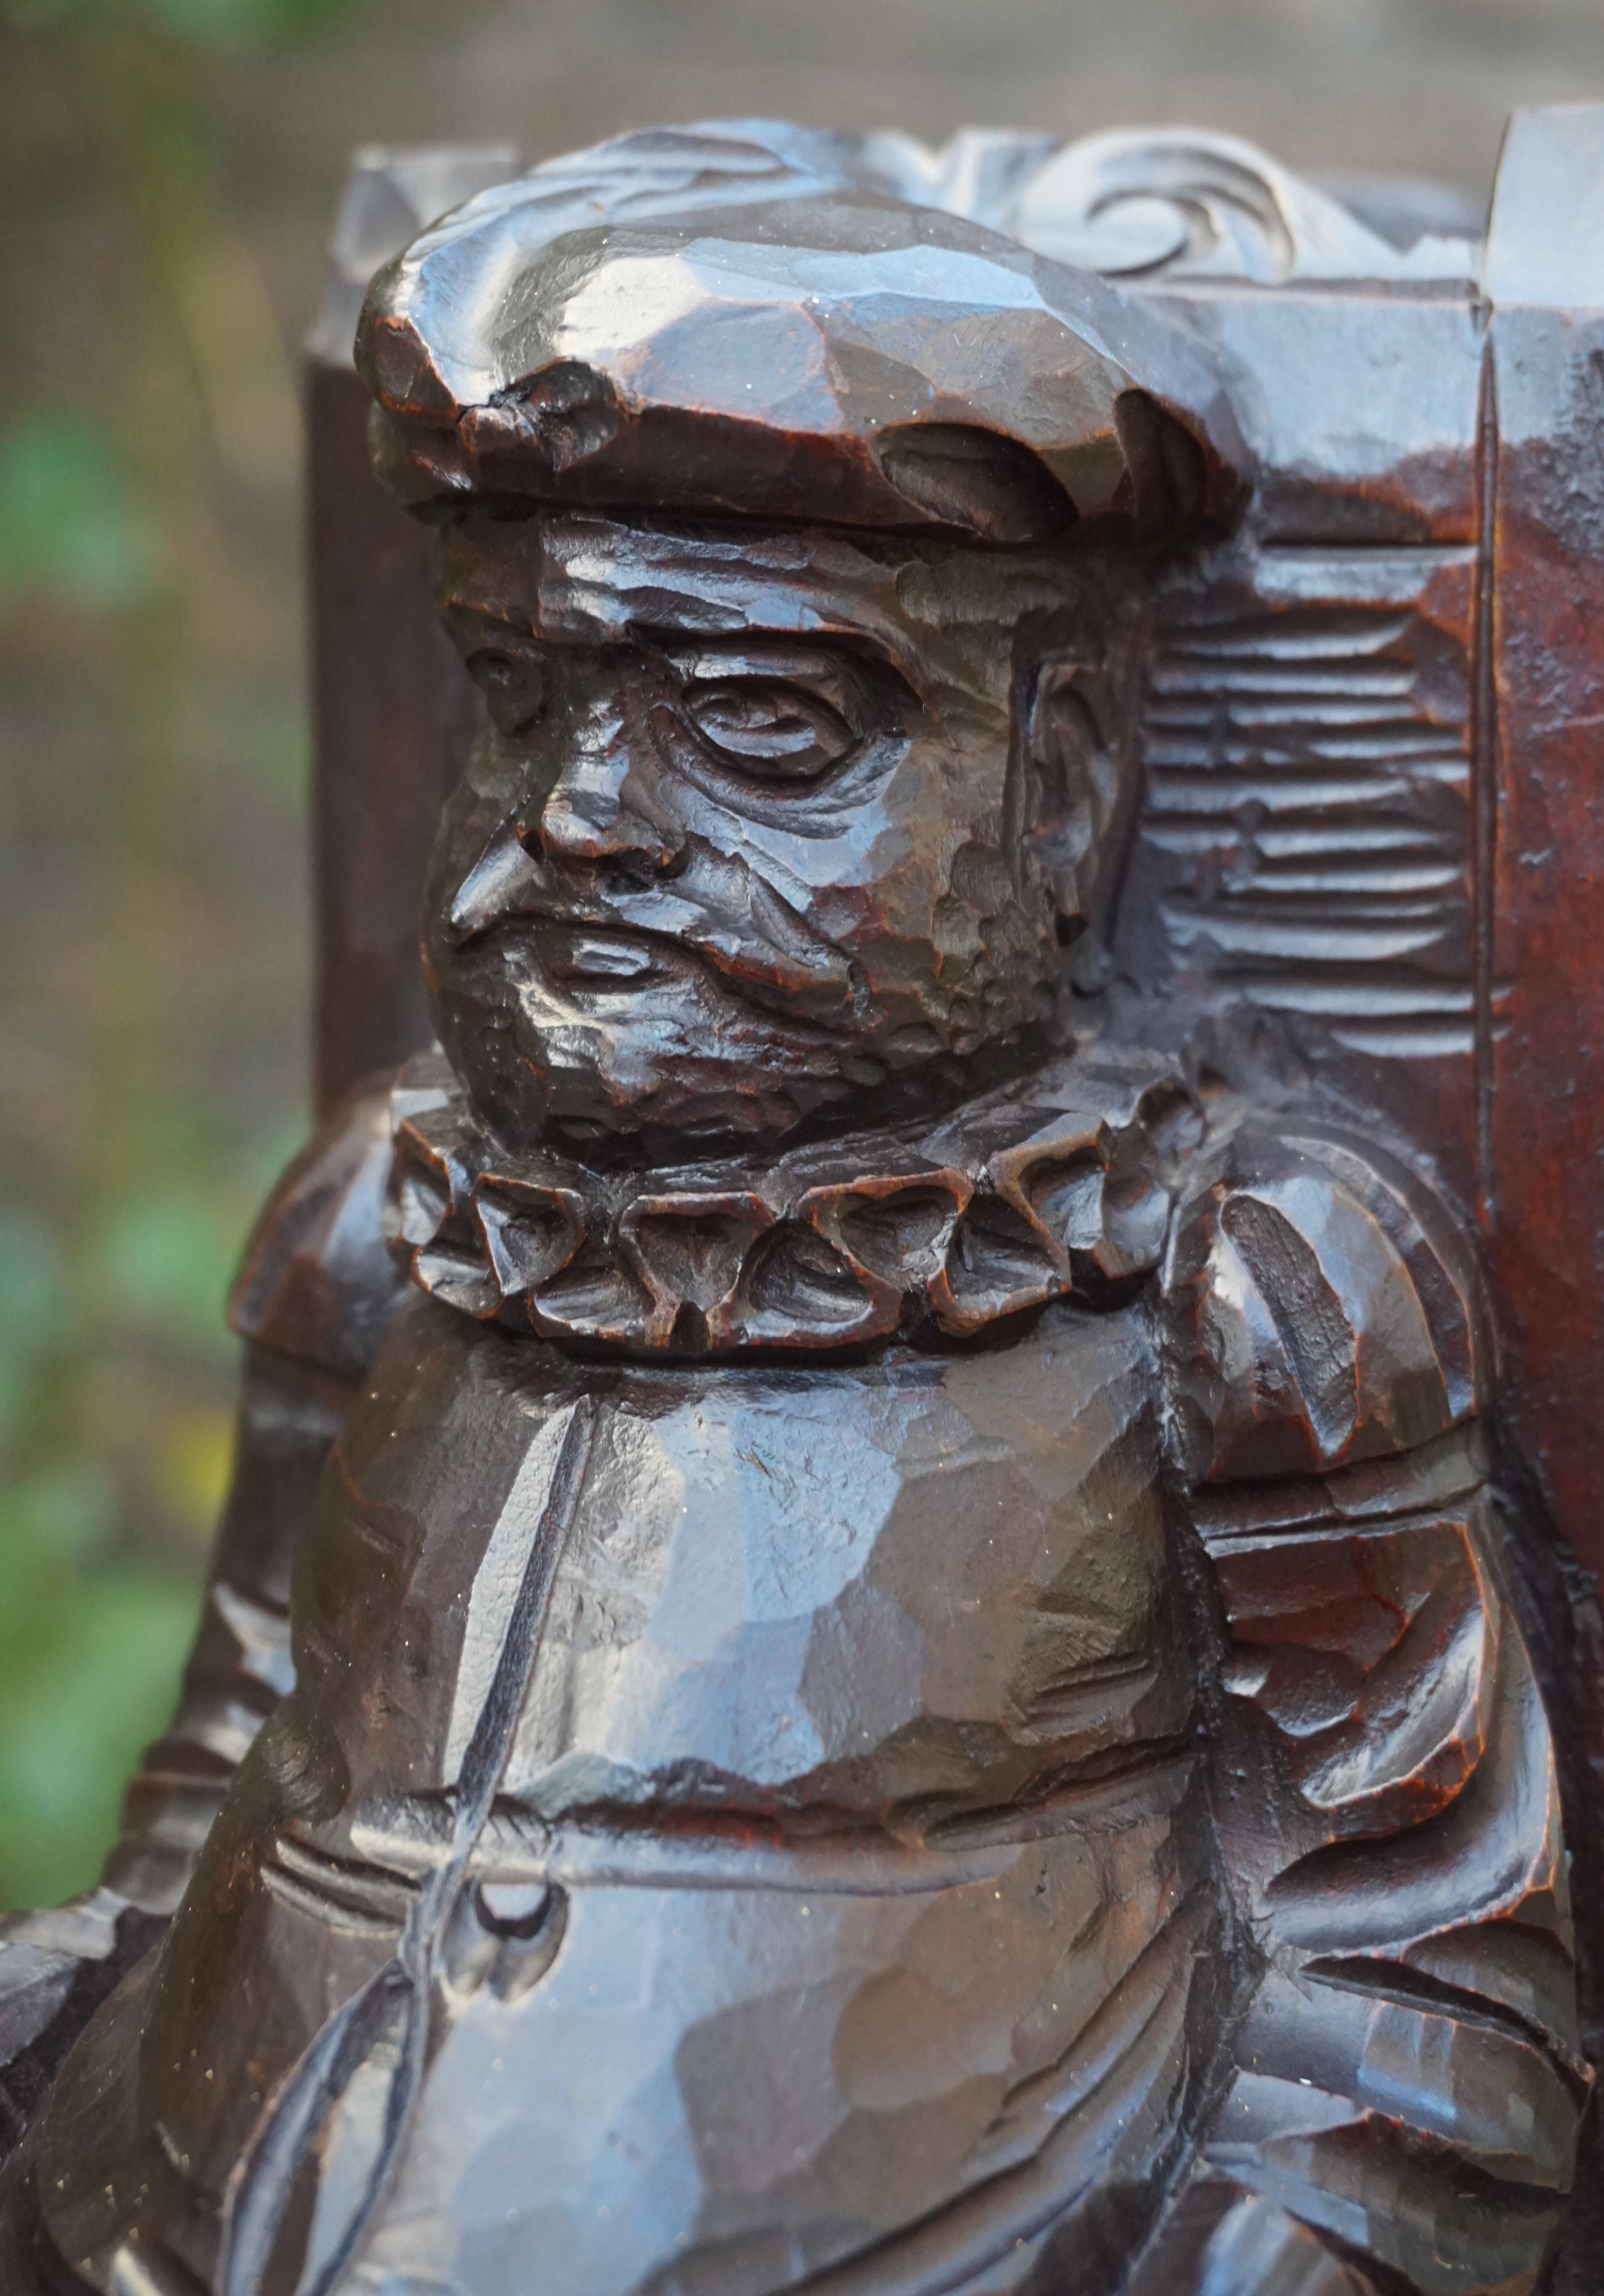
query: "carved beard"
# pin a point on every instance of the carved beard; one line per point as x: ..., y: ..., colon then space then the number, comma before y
x: 648, y: 1040
x: 557, y: 1022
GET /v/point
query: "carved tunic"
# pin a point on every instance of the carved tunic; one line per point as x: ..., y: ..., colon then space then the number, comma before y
x: 1087, y: 1825
x: 851, y: 1695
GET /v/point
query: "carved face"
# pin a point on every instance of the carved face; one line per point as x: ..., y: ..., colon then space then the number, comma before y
x: 770, y: 826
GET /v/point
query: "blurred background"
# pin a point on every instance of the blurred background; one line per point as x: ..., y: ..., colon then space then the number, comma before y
x: 168, y: 174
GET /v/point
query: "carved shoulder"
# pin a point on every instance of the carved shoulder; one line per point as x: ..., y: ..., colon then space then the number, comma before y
x: 1322, y: 1306
x: 317, y: 1283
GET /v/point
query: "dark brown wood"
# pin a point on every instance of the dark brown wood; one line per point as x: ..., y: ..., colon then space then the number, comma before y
x: 907, y: 1606
x: 392, y: 721
x: 392, y: 730
x: 1544, y: 1018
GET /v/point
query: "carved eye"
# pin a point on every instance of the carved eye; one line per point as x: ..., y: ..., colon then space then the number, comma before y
x: 768, y: 727
x: 513, y: 685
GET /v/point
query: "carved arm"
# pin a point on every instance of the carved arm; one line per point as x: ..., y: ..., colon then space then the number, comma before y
x: 1404, y: 2085
x: 312, y: 1300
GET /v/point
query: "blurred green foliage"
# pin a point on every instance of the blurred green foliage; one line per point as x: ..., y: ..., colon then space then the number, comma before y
x: 93, y: 1626
x: 92, y: 1636
x: 91, y: 1643
x: 162, y: 1253
x: 114, y: 1436
x: 69, y: 528
x: 90, y: 1649
x: 213, y: 23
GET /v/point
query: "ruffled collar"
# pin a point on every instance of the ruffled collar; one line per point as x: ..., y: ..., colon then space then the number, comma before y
x: 1058, y: 1183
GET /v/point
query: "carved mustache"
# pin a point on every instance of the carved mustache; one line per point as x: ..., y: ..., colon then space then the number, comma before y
x: 745, y: 928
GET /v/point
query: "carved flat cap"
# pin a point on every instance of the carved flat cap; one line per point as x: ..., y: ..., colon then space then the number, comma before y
x: 751, y: 322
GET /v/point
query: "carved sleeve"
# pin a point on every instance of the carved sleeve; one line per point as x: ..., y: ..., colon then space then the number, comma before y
x: 311, y: 1303
x: 240, y: 1666
x: 1405, y: 2081
x: 1322, y: 1308
x: 56, y: 1966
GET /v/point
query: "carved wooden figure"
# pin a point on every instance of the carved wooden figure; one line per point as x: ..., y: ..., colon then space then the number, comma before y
x: 890, y: 1622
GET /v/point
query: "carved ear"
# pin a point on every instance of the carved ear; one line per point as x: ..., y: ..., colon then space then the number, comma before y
x: 1166, y: 467
x: 1076, y: 785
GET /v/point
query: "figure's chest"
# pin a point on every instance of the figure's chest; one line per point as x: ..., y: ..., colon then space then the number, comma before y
x: 903, y: 1592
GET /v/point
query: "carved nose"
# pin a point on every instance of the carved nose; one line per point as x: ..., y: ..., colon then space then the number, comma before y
x: 585, y: 818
